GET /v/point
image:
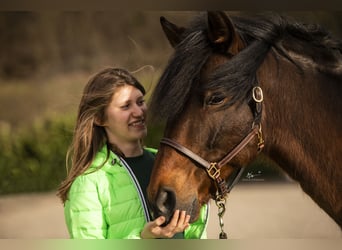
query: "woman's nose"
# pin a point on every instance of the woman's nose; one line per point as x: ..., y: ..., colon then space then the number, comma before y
x: 138, y: 110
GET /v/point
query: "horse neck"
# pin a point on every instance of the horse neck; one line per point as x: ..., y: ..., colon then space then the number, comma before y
x: 302, y: 129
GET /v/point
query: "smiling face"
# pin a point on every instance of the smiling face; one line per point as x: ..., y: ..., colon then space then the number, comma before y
x: 125, y: 116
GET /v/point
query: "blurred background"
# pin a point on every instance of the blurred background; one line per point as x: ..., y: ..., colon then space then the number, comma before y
x: 47, y: 58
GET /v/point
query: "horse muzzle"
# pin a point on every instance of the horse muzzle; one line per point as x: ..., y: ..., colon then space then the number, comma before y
x: 166, y: 204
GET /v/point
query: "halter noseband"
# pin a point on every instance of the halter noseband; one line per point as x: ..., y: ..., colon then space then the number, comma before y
x: 213, y: 169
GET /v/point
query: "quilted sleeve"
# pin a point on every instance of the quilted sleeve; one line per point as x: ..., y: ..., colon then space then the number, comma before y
x: 83, y: 210
x: 198, y: 229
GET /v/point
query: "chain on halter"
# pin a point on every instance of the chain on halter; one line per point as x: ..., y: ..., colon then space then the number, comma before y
x: 221, y: 205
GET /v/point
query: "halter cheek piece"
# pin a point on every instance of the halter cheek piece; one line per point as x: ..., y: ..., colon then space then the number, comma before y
x: 214, y: 168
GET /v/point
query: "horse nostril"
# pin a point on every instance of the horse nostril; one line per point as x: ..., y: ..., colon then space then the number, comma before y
x: 166, y: 202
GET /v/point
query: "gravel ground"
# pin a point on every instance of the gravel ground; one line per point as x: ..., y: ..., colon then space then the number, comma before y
x: 254, y: 211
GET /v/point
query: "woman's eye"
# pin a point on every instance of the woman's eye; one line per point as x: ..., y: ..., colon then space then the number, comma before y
x: 215, y: 100
x: 141, y: 102
x: 125, y: 106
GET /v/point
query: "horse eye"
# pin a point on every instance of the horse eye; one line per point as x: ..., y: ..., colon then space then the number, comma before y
x: 215, y: 100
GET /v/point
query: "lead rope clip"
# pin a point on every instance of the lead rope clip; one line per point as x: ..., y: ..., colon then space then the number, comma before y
x: 221, y: 205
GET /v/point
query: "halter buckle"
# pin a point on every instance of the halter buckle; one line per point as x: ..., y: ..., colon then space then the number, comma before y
x: 213, y: 171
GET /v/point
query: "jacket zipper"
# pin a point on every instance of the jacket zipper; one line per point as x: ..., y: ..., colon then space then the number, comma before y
x: 137, y: 185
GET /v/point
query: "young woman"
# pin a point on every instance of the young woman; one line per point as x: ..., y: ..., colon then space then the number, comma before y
x: 104, y: 193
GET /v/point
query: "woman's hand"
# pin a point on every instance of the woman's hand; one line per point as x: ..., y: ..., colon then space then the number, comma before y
x: 178, y: 223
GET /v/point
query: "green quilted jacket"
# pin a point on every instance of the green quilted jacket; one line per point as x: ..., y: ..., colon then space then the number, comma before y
x: 107, y: 203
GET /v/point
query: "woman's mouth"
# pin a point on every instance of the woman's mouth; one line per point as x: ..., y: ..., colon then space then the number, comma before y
x: 138, y: 124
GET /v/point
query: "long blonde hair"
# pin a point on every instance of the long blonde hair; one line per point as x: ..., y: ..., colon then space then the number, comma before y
x: 89, y: 138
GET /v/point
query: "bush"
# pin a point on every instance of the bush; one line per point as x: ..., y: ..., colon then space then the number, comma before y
x: 33, y: 158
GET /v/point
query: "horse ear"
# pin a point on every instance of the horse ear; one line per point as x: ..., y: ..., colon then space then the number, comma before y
x: 172, y: 31
x: 222, y: 34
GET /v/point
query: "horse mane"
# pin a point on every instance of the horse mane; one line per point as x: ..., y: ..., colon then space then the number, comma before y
x: 238, y: 75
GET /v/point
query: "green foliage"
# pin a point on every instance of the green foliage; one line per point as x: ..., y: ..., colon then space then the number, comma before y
x: 33, y: 158
x: 154, y: 134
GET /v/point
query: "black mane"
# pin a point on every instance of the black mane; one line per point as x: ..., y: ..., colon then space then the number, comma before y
x: 260, y: 34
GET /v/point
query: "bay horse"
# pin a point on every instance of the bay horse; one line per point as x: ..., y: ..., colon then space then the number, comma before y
x: 237, y: 85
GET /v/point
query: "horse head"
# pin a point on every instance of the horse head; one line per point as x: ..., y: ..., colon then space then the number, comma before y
x: 205, y: 122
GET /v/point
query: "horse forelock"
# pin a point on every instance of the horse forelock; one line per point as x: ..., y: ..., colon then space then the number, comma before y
x: 238, y: 75
x: 179, y: 79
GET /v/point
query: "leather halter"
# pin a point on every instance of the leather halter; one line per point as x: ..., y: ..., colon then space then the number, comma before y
x: 214, y: 168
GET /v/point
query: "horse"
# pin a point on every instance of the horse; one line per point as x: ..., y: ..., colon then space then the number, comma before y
x: 238, y: 85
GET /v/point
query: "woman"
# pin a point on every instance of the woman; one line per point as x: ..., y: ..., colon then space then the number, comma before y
x: 104, y: 194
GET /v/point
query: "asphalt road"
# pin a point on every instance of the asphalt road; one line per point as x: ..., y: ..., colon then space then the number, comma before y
x: 254, y: 211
